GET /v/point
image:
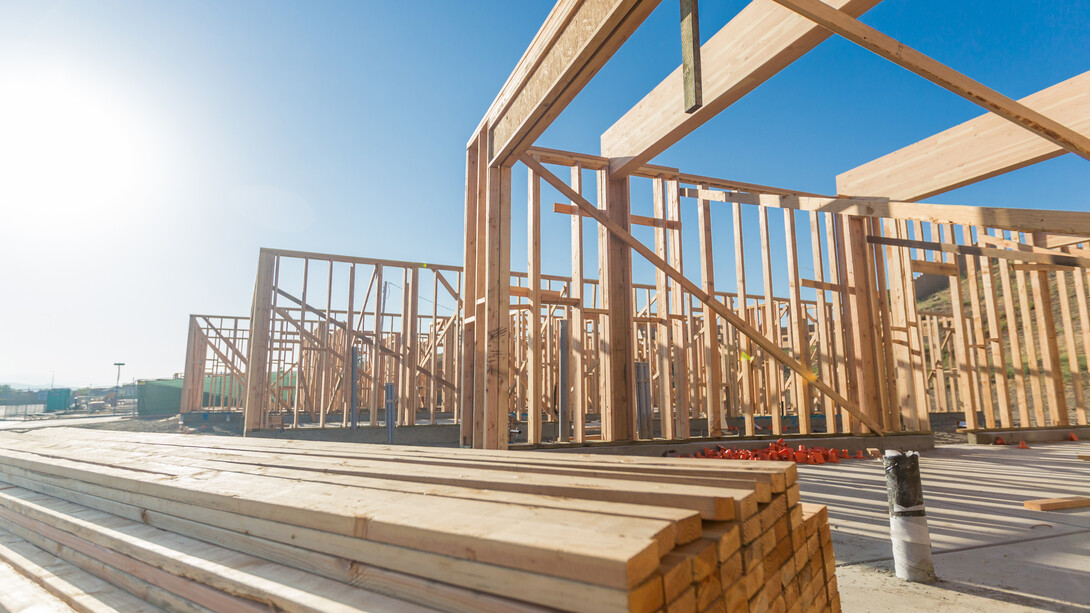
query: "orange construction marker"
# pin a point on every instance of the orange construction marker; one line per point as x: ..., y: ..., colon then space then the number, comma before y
x: 1023, y: 445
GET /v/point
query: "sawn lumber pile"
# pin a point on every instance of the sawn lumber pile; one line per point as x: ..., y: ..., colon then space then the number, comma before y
x: 136, y: 522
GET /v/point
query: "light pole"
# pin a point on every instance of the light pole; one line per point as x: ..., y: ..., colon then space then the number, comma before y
x: 117, y: 386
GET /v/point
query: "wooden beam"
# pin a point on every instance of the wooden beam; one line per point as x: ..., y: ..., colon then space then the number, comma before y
x: 1021, y: 220
x: 867, y: 37
x: 1007, y: 254
x: 732, y: 318
x: 760, y: 41
x: 690, y: 55
x: 1057, y: 504
x: 942, y: 269
x: 636, y: 220
x: 978, y: 149
x: 576, y: 40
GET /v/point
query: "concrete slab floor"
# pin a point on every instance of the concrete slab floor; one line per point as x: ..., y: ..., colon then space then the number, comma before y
x: 990, y: 553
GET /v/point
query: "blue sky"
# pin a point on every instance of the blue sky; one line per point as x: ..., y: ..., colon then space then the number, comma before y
x: 159, y: 145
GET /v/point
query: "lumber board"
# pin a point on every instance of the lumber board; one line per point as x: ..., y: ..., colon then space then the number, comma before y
x: 19, y: 594
x: 254, y: 520
x: 575, y: 41
x: 778, y: 475
x: 1057, y: 504
x: 240, y: 578
x: 978, y: 149
x: 74, y: 587
x: 483, y: 531
x: 564, y: 594
x: 399, y: 585
x: 711, y: 502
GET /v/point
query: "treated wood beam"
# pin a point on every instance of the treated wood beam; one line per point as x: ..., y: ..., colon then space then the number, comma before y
x: 576, y: 40
x: 760, y: 41
x: 978, y: 149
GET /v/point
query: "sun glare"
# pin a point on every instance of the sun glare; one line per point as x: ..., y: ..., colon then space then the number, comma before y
x: 74, y: 153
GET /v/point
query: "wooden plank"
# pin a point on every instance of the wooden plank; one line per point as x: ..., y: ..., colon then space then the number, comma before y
x: 800, y: 328
x: 690, y: 55
x: 69, y: 584
x: 664, y: 390
x: 942, y: 269
x: 1050, y: 351
x: 867, y: 37
x: 575, y: 41
x: 512, y: 583
x: 994, y: 342
x: 149, y: 553
x: 379, y: 516
x: 1057, y: 504
x: 778, y: 475
x: 978, y: 149
x: 713, y: 405
x: 636, y: 220
x: 749, y: 395
x: 1012, y: 327
x: 578, y: 325
x: 618, y: 416
x: 1023, y: 220
x: 971, y: 250
x: 534, y: 389
x: 678, y: 334
x: 759, y: 42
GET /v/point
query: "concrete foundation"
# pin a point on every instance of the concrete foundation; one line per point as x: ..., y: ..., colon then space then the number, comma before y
x: 919, y: 441
x: 1029, y: 435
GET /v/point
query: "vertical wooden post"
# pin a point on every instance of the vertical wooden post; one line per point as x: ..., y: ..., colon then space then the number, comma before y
x: 883, y: 341
x: 619, y: 420
x: 746, y: 350
x: 904, y: 403
x: 193, y: 378
x: 378, y: 371
x: 800, y: 328
x: 690, y: 55
x: 663, y: 398
x: 497, y: 309
x: 1028, y: 325
x: 994, y: 342
x: 1050, y: 351
x: 860, y: 301
x: 467, y: 374
x: 961, y: 341
x: 713, y: 406
x: 677, y: 301
x: 1069, y: 341
x: 348, y: 381
x: 257, y: 365
x: 825, y: 342
x: 842, y: 324
x: 1079, y: 275
x: 578, y: 322
x: 533, y: 333
x: 982, y: 380
x: 773, y: 369
x: 1021, y: 398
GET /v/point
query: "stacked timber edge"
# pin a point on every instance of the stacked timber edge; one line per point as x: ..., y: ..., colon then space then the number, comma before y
x: 119, y: 521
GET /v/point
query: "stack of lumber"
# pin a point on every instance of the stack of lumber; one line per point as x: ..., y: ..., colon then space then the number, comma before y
x: 134, y: 522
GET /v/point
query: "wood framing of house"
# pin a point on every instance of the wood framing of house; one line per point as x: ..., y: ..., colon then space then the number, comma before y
x: 874, y: 246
